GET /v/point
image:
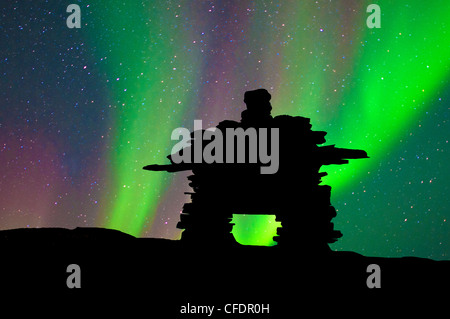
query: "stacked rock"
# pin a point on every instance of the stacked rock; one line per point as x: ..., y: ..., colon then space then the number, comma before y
x: 292, y: 193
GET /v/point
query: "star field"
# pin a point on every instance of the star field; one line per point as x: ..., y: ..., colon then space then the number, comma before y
x: 83, y: 110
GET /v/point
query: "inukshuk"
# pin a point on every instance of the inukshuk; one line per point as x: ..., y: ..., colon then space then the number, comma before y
x: 293, y: 194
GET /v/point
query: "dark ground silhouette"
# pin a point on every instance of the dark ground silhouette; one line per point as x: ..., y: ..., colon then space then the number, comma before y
x: 158, y: 276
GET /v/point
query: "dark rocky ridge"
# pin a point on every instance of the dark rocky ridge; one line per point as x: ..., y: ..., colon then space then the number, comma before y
x: 172, y: 273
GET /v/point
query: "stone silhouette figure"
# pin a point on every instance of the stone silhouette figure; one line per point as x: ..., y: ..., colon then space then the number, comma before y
x: 293, y: 193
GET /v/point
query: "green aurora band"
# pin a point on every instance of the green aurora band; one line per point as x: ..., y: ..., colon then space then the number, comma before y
x: 365, y: 87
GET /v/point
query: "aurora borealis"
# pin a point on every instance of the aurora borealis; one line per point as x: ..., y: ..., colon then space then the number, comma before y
x: 83, y: 110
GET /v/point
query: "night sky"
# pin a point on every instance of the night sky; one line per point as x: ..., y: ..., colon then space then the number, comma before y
x: 83, y: 110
